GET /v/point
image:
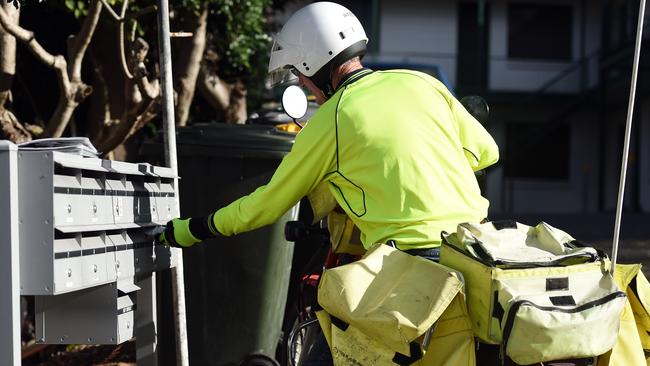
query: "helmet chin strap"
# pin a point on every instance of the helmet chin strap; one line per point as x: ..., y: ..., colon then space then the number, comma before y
x: 323, y: 77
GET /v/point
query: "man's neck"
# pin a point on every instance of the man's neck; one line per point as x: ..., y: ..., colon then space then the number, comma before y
x: 343, y: 70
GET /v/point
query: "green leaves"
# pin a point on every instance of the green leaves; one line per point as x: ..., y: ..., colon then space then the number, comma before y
x: 239, y: 27
x: 78, y: 7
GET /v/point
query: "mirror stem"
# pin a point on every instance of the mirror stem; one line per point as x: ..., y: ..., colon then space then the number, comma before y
x: 298, y: 123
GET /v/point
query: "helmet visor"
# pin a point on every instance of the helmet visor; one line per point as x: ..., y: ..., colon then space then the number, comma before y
x: 280, y: 70
x: 282, y: 76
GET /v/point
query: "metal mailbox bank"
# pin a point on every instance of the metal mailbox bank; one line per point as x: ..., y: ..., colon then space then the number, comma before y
x: 76, y: 232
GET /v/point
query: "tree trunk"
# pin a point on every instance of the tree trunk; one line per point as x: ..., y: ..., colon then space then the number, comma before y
x: 141, y: 101
x: 7, y: 54
x: 9, y: 125
x: 76, y: 91
x: 189, y: 54
x: 228, y: 99
x: 107, y: 102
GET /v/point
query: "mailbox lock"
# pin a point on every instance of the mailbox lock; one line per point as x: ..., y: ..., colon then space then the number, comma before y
x: 117, y: 264
x: 69, y: 272
x: 128, y: 325
x: 117, y: 209
x: 94, y: 208
x: 95, y: 268
x: 69, y: 208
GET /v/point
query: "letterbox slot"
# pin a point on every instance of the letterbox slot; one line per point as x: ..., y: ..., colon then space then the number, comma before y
x: 150, y: 178
x: 114, y: 176
x: 93, y: 174
x: 71, y: 172
x: 63, y: 235
x: 115, y: 232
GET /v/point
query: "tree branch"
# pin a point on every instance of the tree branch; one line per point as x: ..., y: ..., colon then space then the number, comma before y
x: 7, y: 55
x: 23, y: 35
x: 111, y: 12
x: 137, y: 56
x: 120, y: 36
x: 144, y: 11
x: 214, y: 90
x: 82, y: 40
x: 76, y: 90
x: 189, y: 59
x: 10, y: 127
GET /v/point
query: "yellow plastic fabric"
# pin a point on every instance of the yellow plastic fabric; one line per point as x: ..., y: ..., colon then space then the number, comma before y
x: 345, y: 237
x: 398, y: 153
x: 633, y: 335
x: 483, y: 283
x: 390, y: 299
x: 321, y: 201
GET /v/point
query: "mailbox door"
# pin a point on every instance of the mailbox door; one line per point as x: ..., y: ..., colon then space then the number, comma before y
x: 117, y: 191
x: 67, y: 200
x: 125, y: 316
x: 94, y: 260
x: 97, y: 205
x: 129, y: 201
x: 68, y: 274
x: 150, y: 202
x: 166, y: 201
x: 124, y: 261
x: 143, y: 253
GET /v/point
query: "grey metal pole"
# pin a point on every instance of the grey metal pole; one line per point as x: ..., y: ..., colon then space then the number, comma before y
x: 10, y: 320
x: 169, y: 125
x: 628, y: 132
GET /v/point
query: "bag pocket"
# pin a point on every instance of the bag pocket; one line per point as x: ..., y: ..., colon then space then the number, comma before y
x: 535, y: 333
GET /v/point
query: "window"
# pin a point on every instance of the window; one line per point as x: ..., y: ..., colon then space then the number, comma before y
x: 537, y: 151
x: 540, y: 32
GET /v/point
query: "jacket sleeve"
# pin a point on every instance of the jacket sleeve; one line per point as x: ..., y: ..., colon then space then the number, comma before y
x: 300, y: 171
x: 480, y: 149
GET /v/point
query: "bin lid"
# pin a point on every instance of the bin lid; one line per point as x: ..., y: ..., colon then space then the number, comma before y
x: 220, y: 139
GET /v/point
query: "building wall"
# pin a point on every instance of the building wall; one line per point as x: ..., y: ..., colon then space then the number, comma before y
x: 427, y: 32
x: 518, y: 75
x: 577, y: 193
x: 644, y: 156
x: 419, y: 32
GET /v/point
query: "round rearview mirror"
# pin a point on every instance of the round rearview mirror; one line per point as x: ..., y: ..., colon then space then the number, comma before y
x: 294, y: 102
x: 477, y: 107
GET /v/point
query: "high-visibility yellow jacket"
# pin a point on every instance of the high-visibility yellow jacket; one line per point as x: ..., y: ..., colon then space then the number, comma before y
x: 398, y: 152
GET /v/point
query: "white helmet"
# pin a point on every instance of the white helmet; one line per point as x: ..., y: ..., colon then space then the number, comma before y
x: 315, y: 40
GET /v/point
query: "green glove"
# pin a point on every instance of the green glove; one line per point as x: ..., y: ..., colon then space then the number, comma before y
x: 183, y: 233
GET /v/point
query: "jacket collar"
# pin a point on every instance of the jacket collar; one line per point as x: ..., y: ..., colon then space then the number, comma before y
x: 353, y: 76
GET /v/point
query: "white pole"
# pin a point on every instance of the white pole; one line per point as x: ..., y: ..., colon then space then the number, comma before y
x: 10, y: 319
x: 628, y: 132
x: 169, y: 125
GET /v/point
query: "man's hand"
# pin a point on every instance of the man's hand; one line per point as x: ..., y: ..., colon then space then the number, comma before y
x: 177, y: 234
x: 183, y: 233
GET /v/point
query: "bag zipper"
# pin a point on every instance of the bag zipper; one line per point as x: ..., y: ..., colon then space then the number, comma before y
x: 512, y: 312
x: 518, y: 265
x: 556, y: 263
